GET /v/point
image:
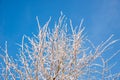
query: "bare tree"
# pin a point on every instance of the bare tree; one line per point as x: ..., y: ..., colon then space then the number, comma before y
x: 58, y: 54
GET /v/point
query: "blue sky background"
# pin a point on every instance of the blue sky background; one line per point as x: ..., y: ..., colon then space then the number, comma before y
x: 101, y: 19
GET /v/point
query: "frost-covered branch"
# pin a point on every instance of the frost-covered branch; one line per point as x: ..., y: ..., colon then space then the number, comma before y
x: 58, y: 54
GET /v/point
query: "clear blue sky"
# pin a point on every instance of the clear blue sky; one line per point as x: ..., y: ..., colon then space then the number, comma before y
x: 17, y: 17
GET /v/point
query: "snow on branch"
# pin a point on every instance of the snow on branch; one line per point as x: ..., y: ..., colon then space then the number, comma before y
x: 59, y: 54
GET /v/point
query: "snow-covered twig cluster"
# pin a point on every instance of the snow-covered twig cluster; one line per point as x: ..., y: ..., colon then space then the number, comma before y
x: 58, y: 54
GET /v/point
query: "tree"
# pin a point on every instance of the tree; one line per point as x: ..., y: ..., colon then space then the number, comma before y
x: 58, y: 55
